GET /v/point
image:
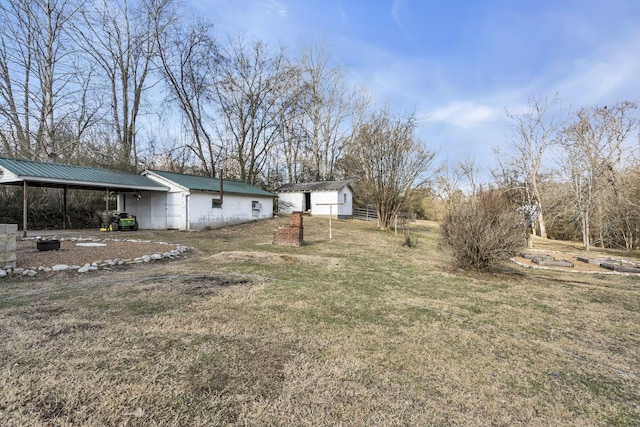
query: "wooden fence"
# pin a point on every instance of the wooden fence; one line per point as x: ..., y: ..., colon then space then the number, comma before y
x: 367, y: 214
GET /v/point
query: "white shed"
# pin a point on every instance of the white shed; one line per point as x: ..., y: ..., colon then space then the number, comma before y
x: 317, y: 198
x: 195, y: 202
x: 160, y: 200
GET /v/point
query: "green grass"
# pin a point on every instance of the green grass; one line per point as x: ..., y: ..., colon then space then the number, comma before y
x: 351, y: 331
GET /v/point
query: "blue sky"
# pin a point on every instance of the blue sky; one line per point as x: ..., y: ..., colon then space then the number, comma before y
x: 459, y: 64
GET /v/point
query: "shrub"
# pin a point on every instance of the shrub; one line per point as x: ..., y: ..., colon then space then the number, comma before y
x: 483, y: 231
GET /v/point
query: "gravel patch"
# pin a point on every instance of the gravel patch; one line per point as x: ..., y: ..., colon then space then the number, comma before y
x: 84, y: 255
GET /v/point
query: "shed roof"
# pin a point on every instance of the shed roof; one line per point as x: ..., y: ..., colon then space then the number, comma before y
x: 313, y: 186
x: 61, y: 175
x: 201, y: 183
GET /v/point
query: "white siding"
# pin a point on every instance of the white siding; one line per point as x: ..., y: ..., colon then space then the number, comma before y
x: 318, y: 198
x: 141, y: 208
x: 150, y: 210
x: 294, y: 201
x: 290, y: 202
x: 345, y: 196
x: 7, y: 176
x: 235, y: 209
x: 176, y: 211
x: 159, y: 211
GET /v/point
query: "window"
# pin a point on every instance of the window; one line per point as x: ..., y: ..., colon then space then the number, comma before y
x: 256, y: 207
x: 345, y: 197
x: 215, y: 203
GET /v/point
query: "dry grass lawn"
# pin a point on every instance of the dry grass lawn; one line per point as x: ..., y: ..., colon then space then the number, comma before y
x: 354, y: 331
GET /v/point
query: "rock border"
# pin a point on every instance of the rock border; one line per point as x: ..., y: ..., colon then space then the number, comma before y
x: 567, y: 270
x: 97, y: 265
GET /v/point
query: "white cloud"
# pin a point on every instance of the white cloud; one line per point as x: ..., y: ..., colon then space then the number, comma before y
x: 465, y: 114
x: 397, y: 9
x: 275, y: 7
x: 609, y: 73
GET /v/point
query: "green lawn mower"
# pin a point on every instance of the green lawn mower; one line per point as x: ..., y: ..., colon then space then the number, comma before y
x: 119, y: 221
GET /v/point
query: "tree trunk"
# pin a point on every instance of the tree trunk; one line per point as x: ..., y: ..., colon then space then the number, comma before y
x: 543, y: 228
x: 585, y: 230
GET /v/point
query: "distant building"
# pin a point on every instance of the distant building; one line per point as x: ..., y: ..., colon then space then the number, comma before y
x: 317, y: 198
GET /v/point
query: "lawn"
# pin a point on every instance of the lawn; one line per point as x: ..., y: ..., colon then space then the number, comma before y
x: 354, y: 331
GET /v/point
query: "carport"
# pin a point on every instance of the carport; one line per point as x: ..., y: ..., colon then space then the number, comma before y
x: 29, y: 173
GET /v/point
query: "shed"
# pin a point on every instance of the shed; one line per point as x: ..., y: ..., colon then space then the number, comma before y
x: 30, y: 173
x: 195, y: 202
x: 322, y: 198
x: 160, y: 200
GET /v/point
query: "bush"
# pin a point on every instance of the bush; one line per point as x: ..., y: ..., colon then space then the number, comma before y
x: 483, y: 231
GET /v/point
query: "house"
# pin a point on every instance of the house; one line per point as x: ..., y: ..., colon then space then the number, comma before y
x: 195, y: 202
x: 324, y: 198
x: 160, y: 200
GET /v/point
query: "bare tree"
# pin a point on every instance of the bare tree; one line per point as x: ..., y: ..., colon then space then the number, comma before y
x: 327, y: 110
x: 595, y: 147
x: 249, y: 88
x: 533, y: 132
x: 120, y: 37
x: 188, y: 57
x: 33, y: 74
x: 387, y: 162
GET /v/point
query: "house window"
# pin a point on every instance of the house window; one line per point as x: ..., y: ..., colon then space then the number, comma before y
x: 215, y: 203
x: 344, y: 197
x: 256, y: 207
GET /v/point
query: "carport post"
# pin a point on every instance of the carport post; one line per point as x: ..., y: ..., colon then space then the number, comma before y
x: 24, y: 209
x: 64, y: 209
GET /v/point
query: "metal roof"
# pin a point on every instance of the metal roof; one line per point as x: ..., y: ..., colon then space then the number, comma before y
x: 61, y: 175
x: 201, y: 183
x: 313, y: 186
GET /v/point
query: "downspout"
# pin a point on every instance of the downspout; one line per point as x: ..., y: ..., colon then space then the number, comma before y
x: 186, y: 201
x: 221, y: 188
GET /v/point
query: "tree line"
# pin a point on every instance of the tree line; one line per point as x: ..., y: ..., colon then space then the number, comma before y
x: 118, y: 83
x: 575, y: 172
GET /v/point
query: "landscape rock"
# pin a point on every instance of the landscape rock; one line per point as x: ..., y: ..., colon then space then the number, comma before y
x: 533, y: 257
x: 85, y: 268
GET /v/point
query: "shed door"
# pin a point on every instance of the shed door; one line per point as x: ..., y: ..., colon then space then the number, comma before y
x: 174, y: 211
x: 307, y: 202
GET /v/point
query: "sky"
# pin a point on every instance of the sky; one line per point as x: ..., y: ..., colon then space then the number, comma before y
x: 458, y: 65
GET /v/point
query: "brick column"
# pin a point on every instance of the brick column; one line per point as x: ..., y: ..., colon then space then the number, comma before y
x: 296, y: 219
x: 8, y: 233
x: 291, y: 235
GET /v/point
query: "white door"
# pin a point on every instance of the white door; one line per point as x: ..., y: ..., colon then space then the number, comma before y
x: 174, y: 211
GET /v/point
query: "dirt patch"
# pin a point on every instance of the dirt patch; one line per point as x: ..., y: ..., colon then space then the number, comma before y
x: 275, y: 258
x: 70, y: 253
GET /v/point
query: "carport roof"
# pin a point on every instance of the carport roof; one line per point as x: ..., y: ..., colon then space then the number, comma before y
x: 17, y: 171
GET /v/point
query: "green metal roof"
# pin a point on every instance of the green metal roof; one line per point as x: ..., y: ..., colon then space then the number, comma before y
x: 60, y: 175
x: 201, y: 183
